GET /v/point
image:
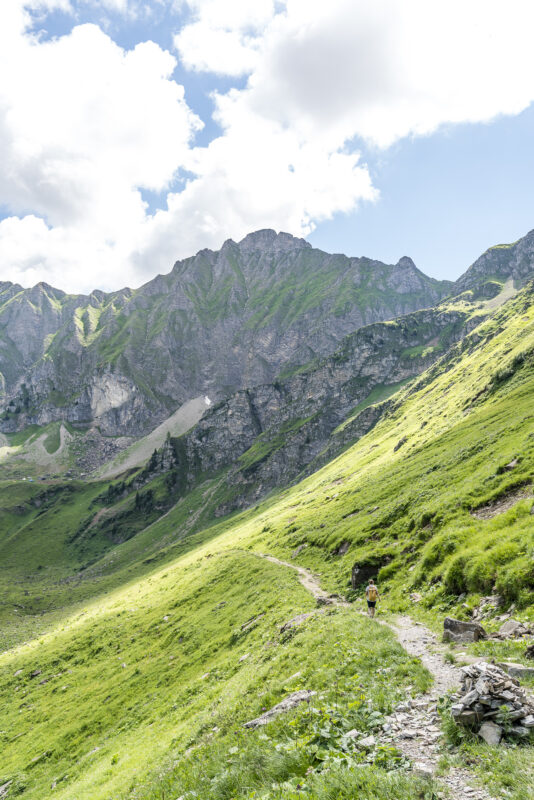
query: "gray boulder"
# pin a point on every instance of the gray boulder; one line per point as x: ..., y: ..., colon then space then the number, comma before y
x: 289, y: 702
x: 298, y: 620
x: 455, y: 630
x: 490, y: 732
x: 517, y: 670
x: 512, y: 628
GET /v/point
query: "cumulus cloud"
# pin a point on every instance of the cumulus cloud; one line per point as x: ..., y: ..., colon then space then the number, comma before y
x: 256, y: 175
x: 85, y: 125
x: 224, y: 38
x: 382, y: 70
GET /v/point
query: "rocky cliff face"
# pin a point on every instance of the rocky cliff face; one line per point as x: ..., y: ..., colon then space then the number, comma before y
x: 500, y: 263
x: 220, y: 321
x: 271, y: 432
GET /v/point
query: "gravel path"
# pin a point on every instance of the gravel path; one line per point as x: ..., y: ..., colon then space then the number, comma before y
x: 414, y: 727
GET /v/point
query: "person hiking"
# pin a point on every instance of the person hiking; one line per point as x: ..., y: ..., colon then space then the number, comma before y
x: 372, y: 595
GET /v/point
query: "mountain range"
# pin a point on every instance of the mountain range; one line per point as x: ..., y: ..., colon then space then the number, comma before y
x: 219, y: 322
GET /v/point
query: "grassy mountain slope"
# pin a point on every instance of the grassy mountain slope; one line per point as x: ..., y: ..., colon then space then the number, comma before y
x: 402, y: 501
x: 190, y: 652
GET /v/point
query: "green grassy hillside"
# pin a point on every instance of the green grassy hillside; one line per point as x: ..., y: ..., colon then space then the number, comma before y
x: 171, y: 640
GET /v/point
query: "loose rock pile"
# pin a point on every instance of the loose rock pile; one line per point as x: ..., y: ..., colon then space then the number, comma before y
x: 485, y: 690
x: 414, y: 719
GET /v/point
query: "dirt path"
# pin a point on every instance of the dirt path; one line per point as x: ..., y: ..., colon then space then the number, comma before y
x: 413, y: 727
x: 308, y: 580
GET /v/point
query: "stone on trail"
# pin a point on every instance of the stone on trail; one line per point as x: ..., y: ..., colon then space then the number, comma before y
x: 289, y: 702
x: 512, y: 628
x: 517, y: 670
x: 425, y: 770
x: 455, y: 630
x: 368, y: 742
x: 490, y: 732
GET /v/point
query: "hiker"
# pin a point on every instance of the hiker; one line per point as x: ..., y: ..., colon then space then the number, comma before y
x: 371, y: 593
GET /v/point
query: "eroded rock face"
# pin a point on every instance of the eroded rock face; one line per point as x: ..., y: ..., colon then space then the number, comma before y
x: 219, y: 322
x: 273, y: 432
x: 505, y: 262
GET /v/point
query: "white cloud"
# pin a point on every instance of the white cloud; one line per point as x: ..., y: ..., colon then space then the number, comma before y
x: 85, y: 125
x: 224, y: 37
x: 256, y: 175
x: 381, y: 70
x: 217, y: 50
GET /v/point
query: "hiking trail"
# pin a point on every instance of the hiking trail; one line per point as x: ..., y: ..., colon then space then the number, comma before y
x: 417, y: 720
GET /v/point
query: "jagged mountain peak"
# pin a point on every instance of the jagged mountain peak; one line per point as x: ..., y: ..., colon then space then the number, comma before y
x: 268, y: 239
x: 45, y: 288
x: 405, y: 263
x: 8, y: 286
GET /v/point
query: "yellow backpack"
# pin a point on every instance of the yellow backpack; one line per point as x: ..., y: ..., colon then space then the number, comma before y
x: 372, y: 593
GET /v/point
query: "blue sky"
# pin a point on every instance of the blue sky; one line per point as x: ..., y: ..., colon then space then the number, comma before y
x: 138, y: 132
x: 444, y: 198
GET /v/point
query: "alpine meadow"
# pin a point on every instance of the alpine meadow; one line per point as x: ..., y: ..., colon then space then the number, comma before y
x: 160, y: 590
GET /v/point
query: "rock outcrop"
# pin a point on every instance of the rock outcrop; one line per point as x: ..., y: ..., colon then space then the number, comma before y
x: 271, y: 433
x: 288, y: 703
x: 502, y: 262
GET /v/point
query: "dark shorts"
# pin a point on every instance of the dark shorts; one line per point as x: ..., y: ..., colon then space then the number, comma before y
x: 371, y: 603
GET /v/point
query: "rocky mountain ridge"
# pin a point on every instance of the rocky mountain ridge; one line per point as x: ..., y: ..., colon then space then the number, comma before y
x: 503, y: 262
x: 219, y: 322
